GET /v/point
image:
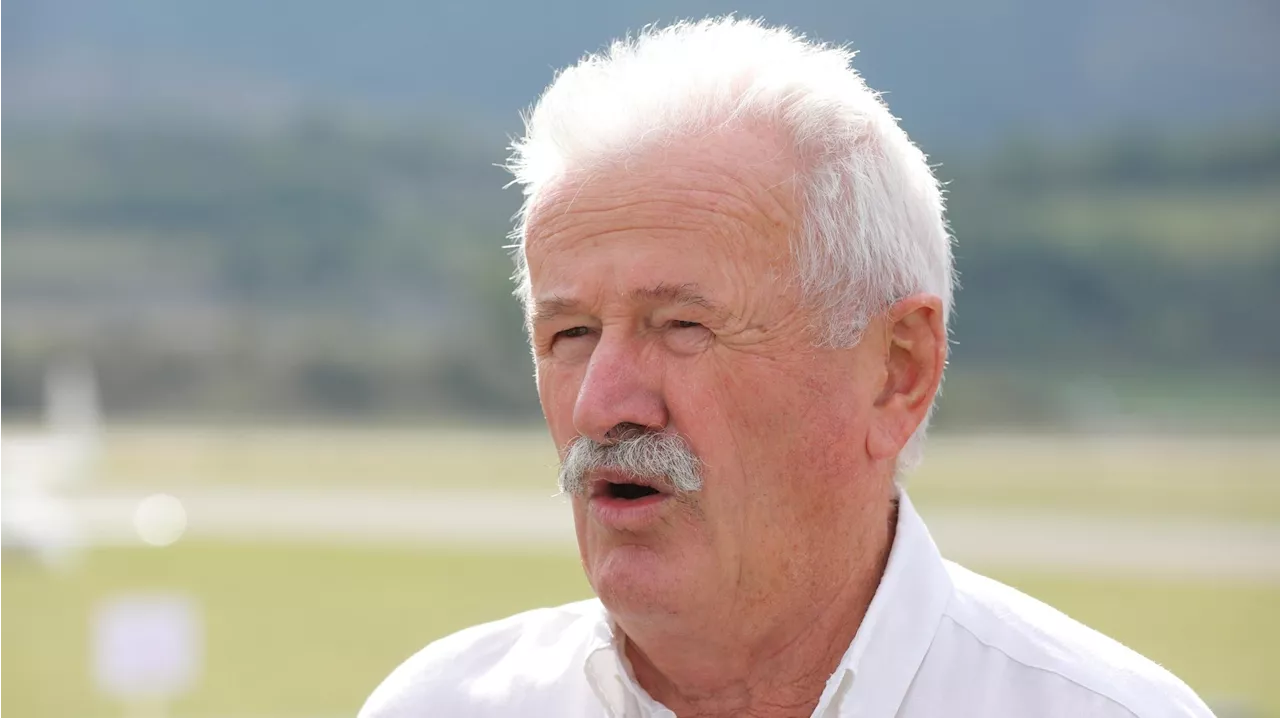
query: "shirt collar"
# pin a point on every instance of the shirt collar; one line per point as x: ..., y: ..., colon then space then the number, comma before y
x: 875, y: 673
x: 873, y: 676
x: 610, y: 677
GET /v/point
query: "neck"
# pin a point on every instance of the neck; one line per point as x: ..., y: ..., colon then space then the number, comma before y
x: 767, y: 664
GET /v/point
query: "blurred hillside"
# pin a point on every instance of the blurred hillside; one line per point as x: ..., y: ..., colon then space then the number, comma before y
x: 237, y: 213
x: 959, y: 74
x: 340, y: 267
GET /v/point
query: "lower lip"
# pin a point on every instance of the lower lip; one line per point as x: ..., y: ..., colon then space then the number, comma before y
x: 627, y: 514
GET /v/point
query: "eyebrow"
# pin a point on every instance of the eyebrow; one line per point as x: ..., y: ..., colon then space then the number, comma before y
x: 688, y: 294
x: 550, y: 308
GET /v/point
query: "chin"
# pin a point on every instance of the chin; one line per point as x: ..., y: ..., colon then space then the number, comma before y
x: 638, y: 580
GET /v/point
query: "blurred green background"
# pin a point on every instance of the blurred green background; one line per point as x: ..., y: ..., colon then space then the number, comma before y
x: 255, y: 262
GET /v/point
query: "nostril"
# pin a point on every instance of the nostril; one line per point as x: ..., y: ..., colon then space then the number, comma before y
x: 625, y: 430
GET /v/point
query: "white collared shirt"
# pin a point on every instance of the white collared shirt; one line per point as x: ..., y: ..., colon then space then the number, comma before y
x: 937, y: 640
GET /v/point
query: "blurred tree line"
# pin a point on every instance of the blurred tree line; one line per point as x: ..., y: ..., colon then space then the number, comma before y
x: 343, y: 268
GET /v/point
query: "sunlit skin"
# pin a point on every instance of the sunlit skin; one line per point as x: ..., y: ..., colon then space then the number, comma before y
x: 662, y: 298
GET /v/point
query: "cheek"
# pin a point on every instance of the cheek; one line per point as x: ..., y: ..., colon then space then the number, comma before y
x: 558, y: 392
x: 764, y: 416
x: 728, y: 412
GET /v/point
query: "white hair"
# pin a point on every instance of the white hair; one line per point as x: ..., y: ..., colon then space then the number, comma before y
x: 872, y: 230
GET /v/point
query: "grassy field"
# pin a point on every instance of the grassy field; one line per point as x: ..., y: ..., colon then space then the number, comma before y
x: 1192, y: 476
x: 295, y: 631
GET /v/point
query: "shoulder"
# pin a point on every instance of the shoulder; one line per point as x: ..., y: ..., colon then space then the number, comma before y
x: 492, y: 666
x: 1047, y: 658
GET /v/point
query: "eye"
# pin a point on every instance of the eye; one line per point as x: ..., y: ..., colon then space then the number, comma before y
x: 686, y: 337
x: 572, y: 344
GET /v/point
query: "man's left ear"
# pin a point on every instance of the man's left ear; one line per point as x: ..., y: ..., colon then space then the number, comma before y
x: 915, y: 354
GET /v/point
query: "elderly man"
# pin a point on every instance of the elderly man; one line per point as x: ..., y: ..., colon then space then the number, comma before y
x: 737, y: 278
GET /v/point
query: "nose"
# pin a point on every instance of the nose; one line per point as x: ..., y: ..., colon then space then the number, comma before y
x: 620, y: 392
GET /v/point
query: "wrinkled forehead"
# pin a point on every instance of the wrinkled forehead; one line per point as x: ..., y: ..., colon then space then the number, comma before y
x: 738, y: 183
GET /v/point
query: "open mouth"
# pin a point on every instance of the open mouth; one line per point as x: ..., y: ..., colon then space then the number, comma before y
x: 629, y: 492
x: 625, y: 502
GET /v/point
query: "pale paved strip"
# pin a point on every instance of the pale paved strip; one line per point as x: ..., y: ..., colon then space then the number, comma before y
x: 532, y: 522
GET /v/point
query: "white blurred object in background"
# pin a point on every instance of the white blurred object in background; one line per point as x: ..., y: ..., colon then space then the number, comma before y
x: 36, y: 465
x: 147, y: 649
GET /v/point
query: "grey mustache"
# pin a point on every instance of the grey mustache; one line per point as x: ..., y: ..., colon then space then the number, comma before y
x: 652, y: 455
